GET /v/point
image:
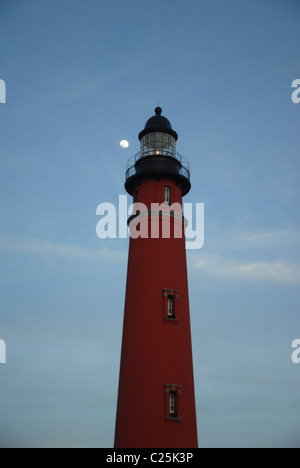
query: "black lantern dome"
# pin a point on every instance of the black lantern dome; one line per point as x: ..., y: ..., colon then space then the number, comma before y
x: 158, y: 123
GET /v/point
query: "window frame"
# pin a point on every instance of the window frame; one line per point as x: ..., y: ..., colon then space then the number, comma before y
x: 174, y: 295
x: 167, y: 199
x: 171, y: 307
x: 173, y: 404
x: 173, y: 408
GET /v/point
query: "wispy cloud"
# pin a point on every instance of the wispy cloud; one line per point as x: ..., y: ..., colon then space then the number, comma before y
x: 260, y: 239
x: 223, y: 267
x: 258, y: 255
x: 51, y: 249
x: 210, y: 263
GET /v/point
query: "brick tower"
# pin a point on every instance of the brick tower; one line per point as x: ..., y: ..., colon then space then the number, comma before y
x: 156, y: 402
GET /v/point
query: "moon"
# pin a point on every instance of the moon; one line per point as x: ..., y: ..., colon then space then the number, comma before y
x: 124, y: 144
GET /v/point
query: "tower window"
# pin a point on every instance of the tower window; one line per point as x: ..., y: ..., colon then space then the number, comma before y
x: 171, y: 309
x: 170, y: 297
x: 173, y: 397
x: 172, y: 405
x: 167, y: 195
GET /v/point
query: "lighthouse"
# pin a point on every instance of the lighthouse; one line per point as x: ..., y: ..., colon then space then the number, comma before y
x: 156, y: 400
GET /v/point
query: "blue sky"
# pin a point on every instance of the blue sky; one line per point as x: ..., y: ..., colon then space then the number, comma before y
x: 80, y: 77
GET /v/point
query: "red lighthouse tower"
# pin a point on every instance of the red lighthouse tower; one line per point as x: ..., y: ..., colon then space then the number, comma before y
x: 156, y: 402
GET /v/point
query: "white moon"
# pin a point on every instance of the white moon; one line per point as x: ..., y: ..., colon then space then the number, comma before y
x: 124, y: 144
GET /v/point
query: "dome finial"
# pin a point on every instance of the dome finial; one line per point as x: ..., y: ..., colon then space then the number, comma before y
x: 158, y: 110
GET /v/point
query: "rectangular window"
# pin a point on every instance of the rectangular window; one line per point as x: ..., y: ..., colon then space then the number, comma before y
x: 173, y: 395
x: 172, y: 405
x: 170, y: 305
x: 171, y: 311
x: 167, y: 195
